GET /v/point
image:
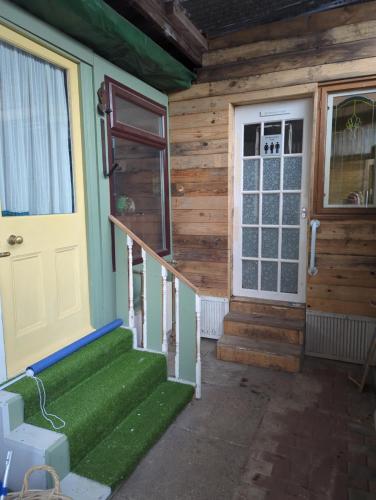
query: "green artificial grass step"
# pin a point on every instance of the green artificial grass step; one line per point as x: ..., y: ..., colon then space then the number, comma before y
x: 115, y: 401
x: 67, y: 373
x: 95, y: 406
x: 113, y: 459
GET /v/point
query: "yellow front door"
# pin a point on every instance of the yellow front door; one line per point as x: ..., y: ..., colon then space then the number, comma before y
x: 43, y: 254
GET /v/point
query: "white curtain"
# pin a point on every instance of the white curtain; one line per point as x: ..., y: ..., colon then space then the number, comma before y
x: 360, y: 141
x: 35, y: 160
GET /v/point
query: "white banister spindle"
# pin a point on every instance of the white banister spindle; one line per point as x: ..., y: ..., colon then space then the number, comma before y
x: 164, y: 310
x: 144, y: 301
x: 198, y: 347
x: 177, y: 334
x: 130, y: 282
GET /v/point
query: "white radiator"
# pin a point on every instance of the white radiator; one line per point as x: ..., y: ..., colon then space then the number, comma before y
x: 213, y: 310
x: 337, y: 336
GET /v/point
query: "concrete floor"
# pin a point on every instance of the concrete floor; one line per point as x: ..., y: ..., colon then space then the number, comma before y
x: 261, y: 434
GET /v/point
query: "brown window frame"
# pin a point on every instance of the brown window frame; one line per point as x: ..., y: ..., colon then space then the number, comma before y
x: 319, y: 209
x: 123, y: 131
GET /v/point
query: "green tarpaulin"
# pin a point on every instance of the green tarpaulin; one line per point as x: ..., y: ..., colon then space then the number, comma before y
x: 98, y: 26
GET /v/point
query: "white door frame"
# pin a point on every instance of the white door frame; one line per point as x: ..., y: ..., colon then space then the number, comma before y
x: 3, y: 367
x: 271, y: 112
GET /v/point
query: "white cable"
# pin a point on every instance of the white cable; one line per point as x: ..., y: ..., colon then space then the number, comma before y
x: 42, y: 405
x: 12, y: 381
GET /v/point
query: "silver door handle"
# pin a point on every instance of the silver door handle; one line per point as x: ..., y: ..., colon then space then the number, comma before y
x: 312, y: 271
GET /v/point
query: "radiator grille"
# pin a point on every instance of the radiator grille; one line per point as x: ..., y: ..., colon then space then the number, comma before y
x: 336, y: 336
x: 213, y: 310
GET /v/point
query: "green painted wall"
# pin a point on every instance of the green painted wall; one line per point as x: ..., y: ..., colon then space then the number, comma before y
x: 154, y: 304
x: 187, y: 333
x: 92, y: 71
x: 121, y: 276
x: 102, y: 68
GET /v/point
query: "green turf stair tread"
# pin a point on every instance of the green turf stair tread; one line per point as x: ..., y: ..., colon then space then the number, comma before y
x: 95, y: 406
x: 67, y: 373
x: 115, y: 457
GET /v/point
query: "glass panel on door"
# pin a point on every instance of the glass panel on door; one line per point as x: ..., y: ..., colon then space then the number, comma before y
x: 35, y: 146
x: 271, y: 196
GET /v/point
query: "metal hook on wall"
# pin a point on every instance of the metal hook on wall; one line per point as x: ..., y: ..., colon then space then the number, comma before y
x: 111, y: 171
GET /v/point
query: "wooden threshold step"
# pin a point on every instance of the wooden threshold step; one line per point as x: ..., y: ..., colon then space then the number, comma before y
x: 257, y: 352
x: 276, y: 308
x: 265, y: 327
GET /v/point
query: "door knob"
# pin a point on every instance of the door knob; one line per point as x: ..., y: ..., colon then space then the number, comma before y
x: 15, y: 240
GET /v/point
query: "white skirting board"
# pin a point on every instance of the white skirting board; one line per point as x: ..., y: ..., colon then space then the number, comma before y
x: 213, y: 310
x: 3, y: 371
x: 338, y: 336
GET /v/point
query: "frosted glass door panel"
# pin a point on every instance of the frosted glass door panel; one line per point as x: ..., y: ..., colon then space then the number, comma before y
x: 272, y: 173
x: 251, y: 178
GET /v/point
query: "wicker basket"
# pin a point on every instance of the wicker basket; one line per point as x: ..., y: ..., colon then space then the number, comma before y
x: 27, y: 494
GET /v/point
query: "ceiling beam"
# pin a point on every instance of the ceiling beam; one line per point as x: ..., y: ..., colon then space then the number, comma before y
x: 169, y: 18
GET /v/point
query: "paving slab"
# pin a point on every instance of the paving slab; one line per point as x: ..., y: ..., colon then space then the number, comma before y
x: 259, y: 434
x: 186, y: 466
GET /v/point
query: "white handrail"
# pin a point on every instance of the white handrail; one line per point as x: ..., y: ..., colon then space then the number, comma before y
x: 312, y: 271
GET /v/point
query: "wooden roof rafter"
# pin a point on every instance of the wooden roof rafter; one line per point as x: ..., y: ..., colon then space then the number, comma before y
x: 171, y: 19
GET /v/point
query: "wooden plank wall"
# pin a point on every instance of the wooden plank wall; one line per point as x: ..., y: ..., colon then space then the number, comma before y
x: 280, y: 60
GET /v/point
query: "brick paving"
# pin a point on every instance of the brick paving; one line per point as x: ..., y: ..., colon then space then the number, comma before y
x: 260, y: 434
x: 316, y: 441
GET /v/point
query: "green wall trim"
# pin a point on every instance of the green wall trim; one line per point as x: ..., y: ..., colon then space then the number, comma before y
x: 96, y: 287
x: 100, y: 27
x: 103, y: 68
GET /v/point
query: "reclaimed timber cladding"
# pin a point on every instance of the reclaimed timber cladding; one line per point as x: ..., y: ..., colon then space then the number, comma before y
x: 282, y: 60
x: 346, y: 259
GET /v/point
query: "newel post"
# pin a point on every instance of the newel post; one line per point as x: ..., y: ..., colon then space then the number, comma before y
x: 198, y: 347
x: 130, y: 281
x: 177, y: 329
x: 164, y: 310
x: 144, y: 301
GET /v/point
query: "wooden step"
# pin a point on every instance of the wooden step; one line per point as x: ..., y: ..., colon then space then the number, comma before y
x: 257, y: 352
x: 264, y: 327
x: 276, y: 308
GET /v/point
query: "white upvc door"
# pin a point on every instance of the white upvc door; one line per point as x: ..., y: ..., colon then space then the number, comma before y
x: 272, y: 156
